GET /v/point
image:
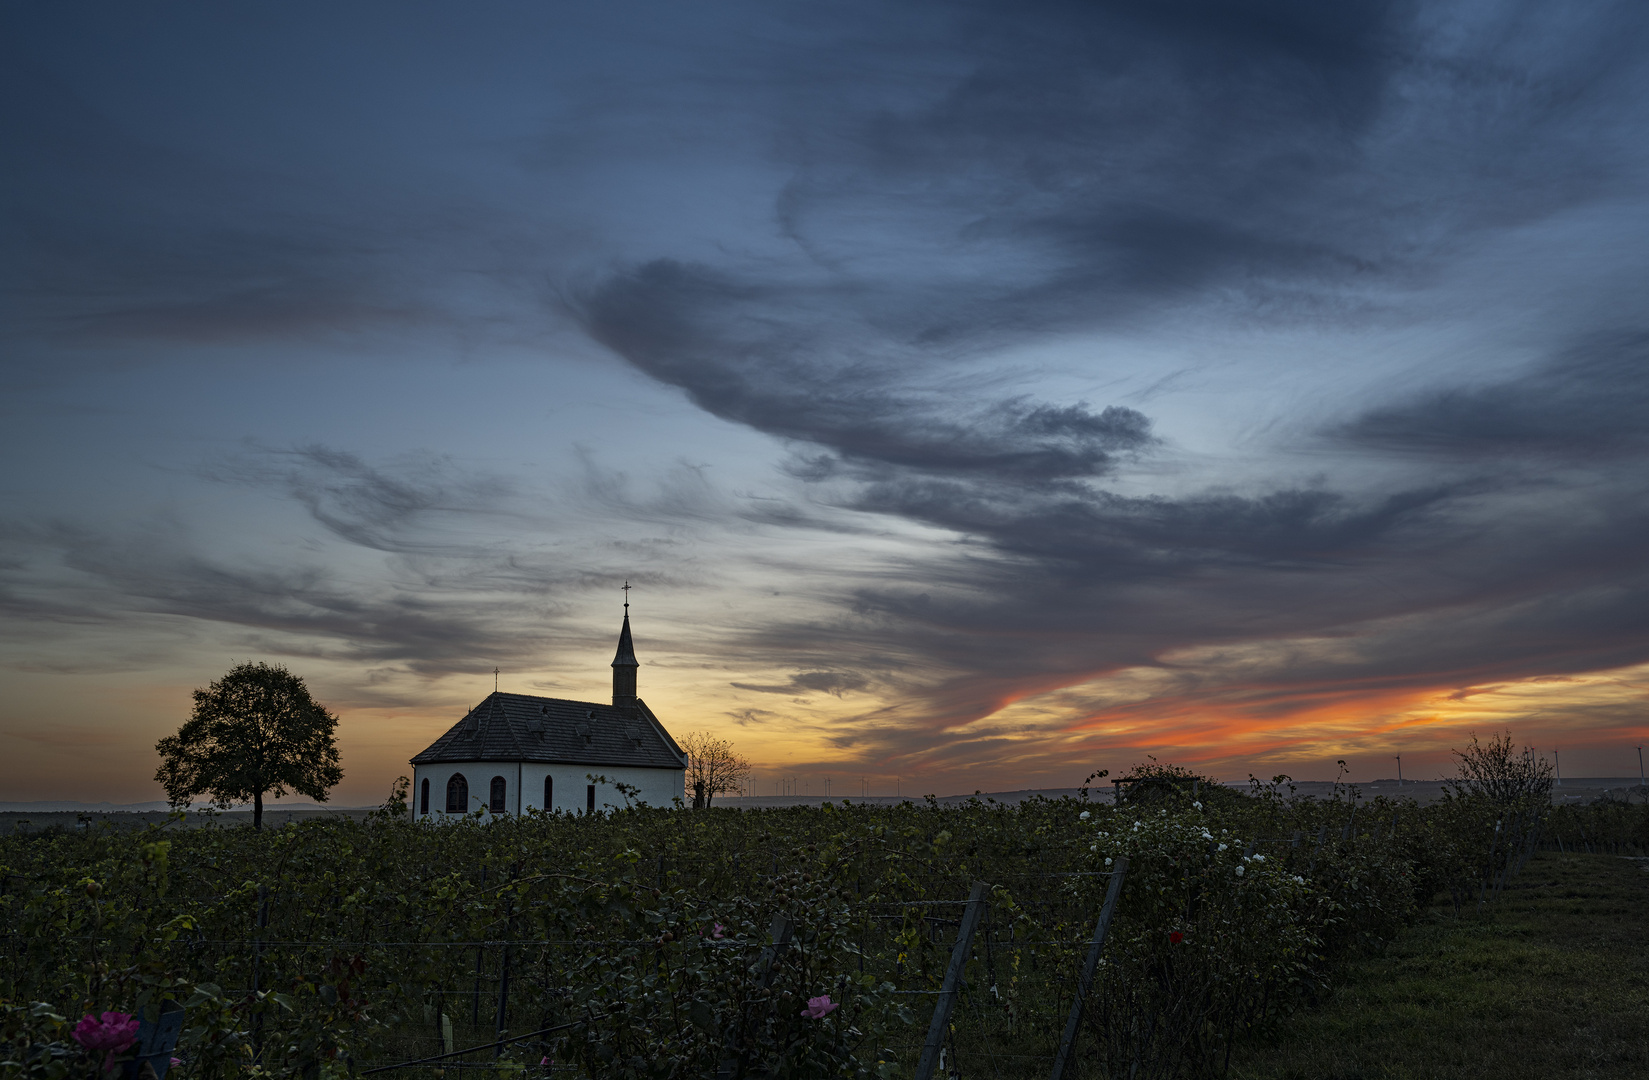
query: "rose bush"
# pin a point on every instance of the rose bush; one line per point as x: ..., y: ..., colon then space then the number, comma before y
x: 644, y: 938
x: 1240, y: 945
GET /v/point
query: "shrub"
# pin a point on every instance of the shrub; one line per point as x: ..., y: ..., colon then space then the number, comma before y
x: 638, y: 943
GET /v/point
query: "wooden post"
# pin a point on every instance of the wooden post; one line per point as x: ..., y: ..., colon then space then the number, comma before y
x: 257, y: 960
x: 1074, y: 1024
x: 156, y: 1039
x: 503, y: 1001
x: 733, y: 1064
x: 780, y: 931
x: 504, y: 969
x: 953, y: 977
x: 475, y: 998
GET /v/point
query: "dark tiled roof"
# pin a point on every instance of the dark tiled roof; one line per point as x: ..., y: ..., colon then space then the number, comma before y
x: 520, y: 727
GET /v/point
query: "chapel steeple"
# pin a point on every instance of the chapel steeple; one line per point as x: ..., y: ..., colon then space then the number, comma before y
x: 624, y: 661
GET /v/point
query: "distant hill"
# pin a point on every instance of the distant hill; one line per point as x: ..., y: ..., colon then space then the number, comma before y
x: 1572, y: 789
x: 60, y: 806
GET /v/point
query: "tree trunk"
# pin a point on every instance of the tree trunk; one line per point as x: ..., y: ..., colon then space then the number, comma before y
x: 257, y: 811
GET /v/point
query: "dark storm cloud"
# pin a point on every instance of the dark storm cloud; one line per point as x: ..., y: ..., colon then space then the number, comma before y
x: 1111, y: 535
x: 1090, y: 161
x: 740, y: 352
x: 960, y: 185
x: 1087, y: 166
x: 984, y: 170
x: 1114, y: 156
x: 1592, y: 400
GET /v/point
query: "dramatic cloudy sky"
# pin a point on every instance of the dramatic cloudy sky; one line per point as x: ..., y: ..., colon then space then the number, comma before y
x: 977, y: 394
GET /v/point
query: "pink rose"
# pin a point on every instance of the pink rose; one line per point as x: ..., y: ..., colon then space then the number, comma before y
x: 716, y: 931
x: 819, y: 1007
x: 117, y: 1031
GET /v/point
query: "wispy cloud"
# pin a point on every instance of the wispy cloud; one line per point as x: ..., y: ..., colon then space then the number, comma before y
x: 923, y: 278
x: 835, y: 683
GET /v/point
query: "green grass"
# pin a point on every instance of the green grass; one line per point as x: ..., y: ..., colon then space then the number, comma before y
x: 1551, y: 980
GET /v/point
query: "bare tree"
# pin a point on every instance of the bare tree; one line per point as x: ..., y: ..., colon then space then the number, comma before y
x: 1498, y: 783
x: 1502, y: 773
x: 712, y: 767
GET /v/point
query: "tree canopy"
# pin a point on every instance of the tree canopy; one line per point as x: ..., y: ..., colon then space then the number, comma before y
x: 254, y: 731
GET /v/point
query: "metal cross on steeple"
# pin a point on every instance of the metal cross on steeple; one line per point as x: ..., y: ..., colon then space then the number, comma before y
x: 495, y: 680
x: 626, y: 599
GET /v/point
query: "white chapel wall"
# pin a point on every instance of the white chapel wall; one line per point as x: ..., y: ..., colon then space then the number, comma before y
x: 524, y: 786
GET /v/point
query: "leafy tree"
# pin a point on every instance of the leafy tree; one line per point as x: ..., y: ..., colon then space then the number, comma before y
x: 712, y: 767
x: 255, y: 730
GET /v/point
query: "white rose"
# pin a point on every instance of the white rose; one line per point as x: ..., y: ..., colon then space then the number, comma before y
x: 1239, y: 869
x: 1084, y: 816
x: 1107, y: 862
x: 1222, y: 847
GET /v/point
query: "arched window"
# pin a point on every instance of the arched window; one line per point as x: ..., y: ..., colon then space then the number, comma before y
x: 458, y: 794
x: 549, y: 793
x: 496, y: 803
x: 423, y: 796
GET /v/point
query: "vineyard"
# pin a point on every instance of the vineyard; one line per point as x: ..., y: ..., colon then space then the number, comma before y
x: 853, y: 941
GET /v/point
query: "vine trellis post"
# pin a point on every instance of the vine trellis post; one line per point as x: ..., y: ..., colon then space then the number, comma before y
x: 1073, y: 1024
x: 953, y: 977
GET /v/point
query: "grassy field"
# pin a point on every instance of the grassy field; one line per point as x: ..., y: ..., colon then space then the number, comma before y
x: 1550, y: 981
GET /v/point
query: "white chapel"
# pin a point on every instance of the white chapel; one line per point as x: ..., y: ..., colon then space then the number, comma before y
x: 516, y: 752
